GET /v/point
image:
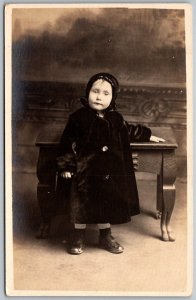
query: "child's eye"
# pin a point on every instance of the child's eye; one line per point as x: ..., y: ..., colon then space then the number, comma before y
x: 106, y: 93
x: 95, y: 91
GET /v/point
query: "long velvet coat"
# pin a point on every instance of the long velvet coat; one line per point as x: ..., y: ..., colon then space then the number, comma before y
x: 97, y: 151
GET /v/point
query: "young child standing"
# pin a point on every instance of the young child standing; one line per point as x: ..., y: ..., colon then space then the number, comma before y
x: 95, y: 152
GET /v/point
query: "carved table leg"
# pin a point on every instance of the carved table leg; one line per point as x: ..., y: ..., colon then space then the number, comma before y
x: 168, y: 205
x: 159, y: 196
x: 43, y: 231
x: 46, y: 200
x: 46, y: 173
x: 169, y: 176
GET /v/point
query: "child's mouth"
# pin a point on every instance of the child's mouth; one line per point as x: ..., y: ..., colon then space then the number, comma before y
x: 97, y: 103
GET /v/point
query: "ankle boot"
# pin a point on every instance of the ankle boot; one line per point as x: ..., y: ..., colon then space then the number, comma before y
x: 77, y: 241
x: 107, y: 241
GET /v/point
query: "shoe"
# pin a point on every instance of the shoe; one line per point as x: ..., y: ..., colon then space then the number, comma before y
x: 107, y: 242
x: 76, y: 245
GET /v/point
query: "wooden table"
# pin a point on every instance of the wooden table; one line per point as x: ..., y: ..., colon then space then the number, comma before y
x: 158, y: 158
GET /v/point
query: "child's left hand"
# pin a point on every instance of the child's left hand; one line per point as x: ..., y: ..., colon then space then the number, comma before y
x: 156, y: 139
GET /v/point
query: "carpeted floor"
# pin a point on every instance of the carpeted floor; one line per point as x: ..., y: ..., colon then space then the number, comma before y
x: 147, y: 266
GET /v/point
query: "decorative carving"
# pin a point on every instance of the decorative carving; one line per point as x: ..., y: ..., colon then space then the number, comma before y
x: 154, y: 108
x: 53, y: 102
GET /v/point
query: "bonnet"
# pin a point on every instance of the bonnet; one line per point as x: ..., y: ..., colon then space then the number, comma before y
x: 106, y: 77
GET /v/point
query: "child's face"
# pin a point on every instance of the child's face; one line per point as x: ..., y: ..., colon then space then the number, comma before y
x: 100, y: 95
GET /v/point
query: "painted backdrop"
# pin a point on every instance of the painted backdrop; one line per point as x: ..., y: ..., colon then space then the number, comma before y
x: 140, y: 46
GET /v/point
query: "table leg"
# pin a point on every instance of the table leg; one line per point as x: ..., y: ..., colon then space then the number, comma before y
x: 46, y: 200
x: 168, y: 205
x: 169, y: 177
x: 159, y: 196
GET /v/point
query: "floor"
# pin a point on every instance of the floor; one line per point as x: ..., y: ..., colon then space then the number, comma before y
x: 148, y: 265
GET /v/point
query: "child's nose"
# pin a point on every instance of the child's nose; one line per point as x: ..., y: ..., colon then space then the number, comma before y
x: 98, y: 96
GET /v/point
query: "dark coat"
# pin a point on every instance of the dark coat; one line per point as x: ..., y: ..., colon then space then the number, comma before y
x: 97, y: 150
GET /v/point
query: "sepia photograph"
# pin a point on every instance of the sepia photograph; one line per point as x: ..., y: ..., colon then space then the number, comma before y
x: 98, y: 149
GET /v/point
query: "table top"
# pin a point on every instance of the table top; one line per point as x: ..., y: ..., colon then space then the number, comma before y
x: 50, y: 136
x: 163, y: 132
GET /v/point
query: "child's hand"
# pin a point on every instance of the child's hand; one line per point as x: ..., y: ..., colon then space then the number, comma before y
x: 66, y: 175
x: 156, y: 139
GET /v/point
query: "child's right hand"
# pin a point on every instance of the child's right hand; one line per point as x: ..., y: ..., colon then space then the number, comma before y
x: 66, y: 175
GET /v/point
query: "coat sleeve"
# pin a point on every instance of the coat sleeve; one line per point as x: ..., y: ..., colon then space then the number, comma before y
x: 138, y: 133
x: 66, y: 154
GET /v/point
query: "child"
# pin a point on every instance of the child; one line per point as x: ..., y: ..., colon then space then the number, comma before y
x: 95, y: 152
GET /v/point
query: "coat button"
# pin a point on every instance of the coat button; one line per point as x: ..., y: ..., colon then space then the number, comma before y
x: 106, y: 177
x: 104, y: 148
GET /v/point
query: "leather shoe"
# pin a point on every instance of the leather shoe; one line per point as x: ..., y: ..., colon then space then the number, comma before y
x: 107, y: 242
x: 77, y: 242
